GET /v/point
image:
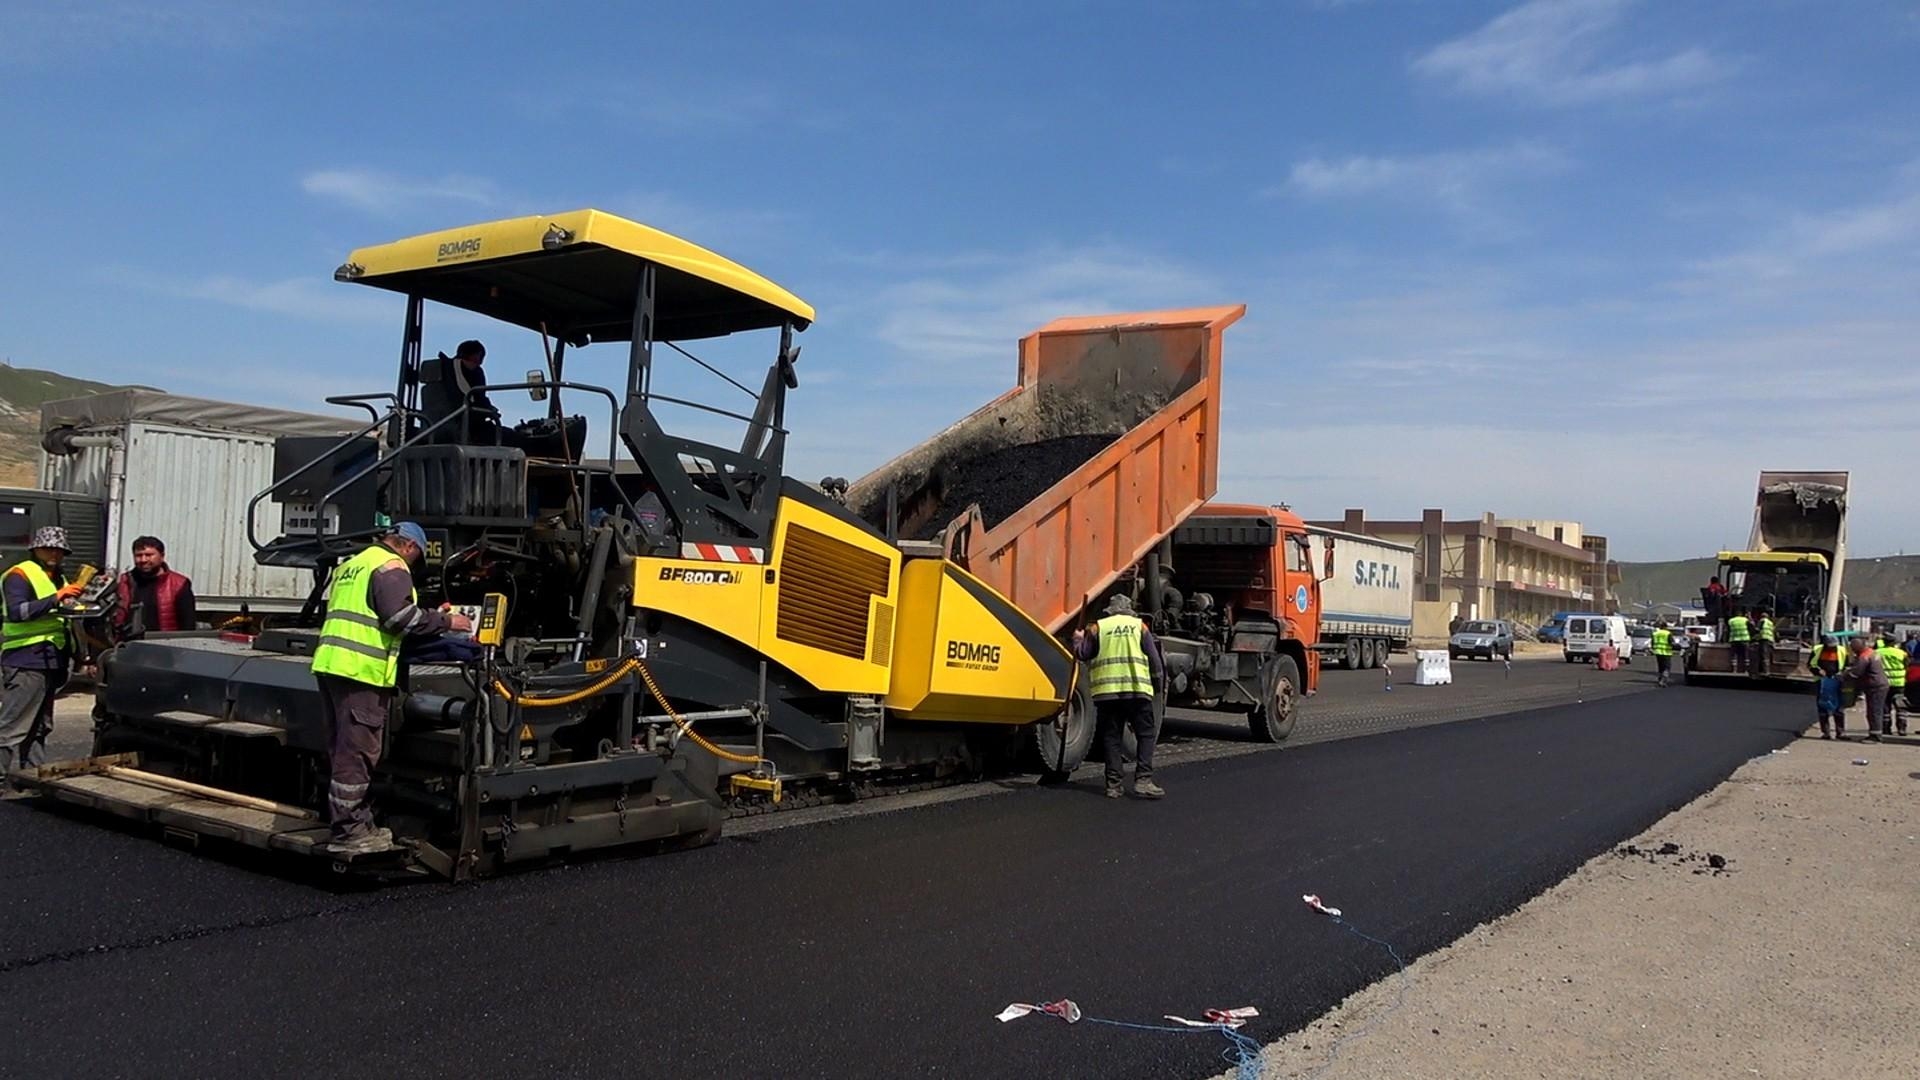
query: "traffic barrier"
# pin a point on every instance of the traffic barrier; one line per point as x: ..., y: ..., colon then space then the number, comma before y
x: 1432, y: 667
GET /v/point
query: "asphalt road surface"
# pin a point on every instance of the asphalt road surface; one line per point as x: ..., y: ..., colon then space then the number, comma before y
x: 879, y: 945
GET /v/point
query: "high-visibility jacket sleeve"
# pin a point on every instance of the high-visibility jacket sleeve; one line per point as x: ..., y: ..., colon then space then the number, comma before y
x: 390, y: 595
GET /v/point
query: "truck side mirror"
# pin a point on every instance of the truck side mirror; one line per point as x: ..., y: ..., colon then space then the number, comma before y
x: 537, y: 390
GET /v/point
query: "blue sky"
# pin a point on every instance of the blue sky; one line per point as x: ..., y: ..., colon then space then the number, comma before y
x: 1591, y: 259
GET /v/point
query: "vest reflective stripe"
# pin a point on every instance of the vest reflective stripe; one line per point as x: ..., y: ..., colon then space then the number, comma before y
x: 1894, y: 659
x: 1766, y: 629
x: 1738, y: 629
x: 20, y: 634
x: 1121, y: 665
x: 353, y: 644
x: 1662, y: 643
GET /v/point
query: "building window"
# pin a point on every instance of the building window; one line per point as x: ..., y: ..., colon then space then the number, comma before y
x: 1559, y: 534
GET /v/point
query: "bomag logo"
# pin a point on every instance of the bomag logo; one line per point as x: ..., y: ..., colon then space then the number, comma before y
x: 459, y: 249
x: 973, y: 656
x: 700, y: 577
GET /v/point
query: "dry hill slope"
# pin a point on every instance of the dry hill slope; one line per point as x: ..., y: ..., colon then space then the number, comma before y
x: 22, y: 392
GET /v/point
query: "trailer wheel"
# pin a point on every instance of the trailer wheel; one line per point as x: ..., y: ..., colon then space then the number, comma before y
x: 1367, y: 659
x: 1273, y: 721
x: 1351, y: 661
x: 1043, y: 746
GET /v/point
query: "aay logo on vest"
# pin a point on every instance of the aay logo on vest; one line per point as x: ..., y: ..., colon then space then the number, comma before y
x: 973, y: 655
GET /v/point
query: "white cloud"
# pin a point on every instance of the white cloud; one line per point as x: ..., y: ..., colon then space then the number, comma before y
x: 1550, y: 52
x: 310, y: 298
x: 1453, y: 178
x: 1829, y: 242
x: 385, y: 193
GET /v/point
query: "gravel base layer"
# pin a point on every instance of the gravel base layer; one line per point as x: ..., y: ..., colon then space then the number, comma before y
x: 1766, y: 929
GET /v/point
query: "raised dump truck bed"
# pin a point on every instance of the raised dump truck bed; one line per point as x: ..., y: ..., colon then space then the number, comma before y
x: 1059, y: 487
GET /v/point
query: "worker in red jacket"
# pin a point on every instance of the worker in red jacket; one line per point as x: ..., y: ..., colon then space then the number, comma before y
x: 153, y: 596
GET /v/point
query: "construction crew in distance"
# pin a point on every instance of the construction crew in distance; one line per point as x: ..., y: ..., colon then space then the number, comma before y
x: 36, y: 646
x: 1662, y: 647
x: 371, y: 606
x: 1894, y: 659
x: 1127, y: 673
x: 1739, y: 633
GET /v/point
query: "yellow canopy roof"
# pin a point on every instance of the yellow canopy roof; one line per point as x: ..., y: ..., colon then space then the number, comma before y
x: 1778, y: 558
x: 578, y: 272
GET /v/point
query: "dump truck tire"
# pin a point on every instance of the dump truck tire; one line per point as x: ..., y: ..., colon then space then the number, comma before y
x: 1044, y: 742
x: 1273, y: 721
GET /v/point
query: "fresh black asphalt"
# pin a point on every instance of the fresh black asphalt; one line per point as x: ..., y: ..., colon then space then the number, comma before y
x: 876, y: 946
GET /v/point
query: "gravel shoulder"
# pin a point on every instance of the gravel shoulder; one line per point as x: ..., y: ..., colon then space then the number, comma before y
x: 1798, y: 959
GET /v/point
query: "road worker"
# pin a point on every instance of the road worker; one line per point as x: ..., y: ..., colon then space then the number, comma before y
x: 1126, y: 674
x: 1763, y: 620
x: 371, y: 606
x: 1662, y: 646
x: 1826, y: 662
x: 153, y: 595
x: 36, y: 645
x: 1894, y: 659
x: 1739, y: 633
x: 1869, y: 675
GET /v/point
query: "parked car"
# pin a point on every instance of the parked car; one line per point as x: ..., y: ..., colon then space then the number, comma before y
x: 1489, y: 638
x: 1554, y: 630
x: 1588, y: 634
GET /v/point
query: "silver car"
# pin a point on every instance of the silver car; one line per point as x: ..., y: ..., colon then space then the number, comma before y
x: 1491, y: 638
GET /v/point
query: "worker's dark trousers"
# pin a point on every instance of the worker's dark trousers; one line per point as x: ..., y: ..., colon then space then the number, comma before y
x: 1894, y: 716
x: 1876, y: 699
x: 1739, y: 655
x: 1663, y: 666
x: 1113, y: 717
x: 356, y: 726
x: 1762, y: 657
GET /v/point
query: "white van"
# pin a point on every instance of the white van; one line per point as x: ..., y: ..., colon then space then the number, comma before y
x: 1588, y: 634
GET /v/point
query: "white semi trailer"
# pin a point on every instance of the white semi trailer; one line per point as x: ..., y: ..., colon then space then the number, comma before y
x: 1366, y: 607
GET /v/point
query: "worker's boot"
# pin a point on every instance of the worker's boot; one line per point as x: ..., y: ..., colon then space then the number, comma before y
x: 1114, y: 789
x: 1145, y: 788
x: 367, y: 843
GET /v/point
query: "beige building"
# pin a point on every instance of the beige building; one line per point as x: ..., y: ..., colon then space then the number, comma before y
x: 1487, y: 567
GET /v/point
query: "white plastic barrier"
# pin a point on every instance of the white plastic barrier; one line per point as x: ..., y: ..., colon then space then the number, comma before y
x: 1432, y: 668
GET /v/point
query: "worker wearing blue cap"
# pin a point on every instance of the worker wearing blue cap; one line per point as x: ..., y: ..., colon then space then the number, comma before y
x: 371, y: 607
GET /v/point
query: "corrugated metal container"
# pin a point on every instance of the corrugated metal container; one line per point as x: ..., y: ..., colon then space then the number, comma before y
x: 190, y: 468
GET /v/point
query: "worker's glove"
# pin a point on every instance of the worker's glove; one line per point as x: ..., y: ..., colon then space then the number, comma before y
x: 68, y: 592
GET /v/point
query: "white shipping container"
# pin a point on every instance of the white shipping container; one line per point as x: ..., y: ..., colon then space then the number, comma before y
x: 190, y: 467
x: 1371, y: 591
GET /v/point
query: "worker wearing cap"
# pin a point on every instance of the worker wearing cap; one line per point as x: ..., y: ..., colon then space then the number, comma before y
x: 1739, y: 633
x: 1125, y: 676
x: 36, y: 646
x: 1894, y: 659
x: 1826, y: 663
x: 371, y: 606
x: 1661, y: 645
x: 1764, y: 630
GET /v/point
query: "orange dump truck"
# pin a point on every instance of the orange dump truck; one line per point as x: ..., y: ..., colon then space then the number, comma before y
x: 1070, y: 487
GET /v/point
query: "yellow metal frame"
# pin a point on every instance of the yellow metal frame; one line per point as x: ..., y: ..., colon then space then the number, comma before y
x: 519, y: 237
x: 1778, y: 558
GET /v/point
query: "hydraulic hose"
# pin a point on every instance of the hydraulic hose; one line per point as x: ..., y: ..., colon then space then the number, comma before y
x: 626, y: 667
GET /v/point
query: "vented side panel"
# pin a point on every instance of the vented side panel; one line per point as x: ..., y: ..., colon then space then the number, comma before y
x: 826, y: 586
x: 882, y: 635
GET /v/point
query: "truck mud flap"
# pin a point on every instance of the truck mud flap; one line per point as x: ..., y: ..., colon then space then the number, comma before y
x: 115, y: 784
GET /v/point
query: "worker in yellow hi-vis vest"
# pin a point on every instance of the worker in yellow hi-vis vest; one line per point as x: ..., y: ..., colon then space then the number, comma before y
x: 36, y: 645
x: 1739, y: 634
x: 371, y: 606
x: 1126, y: 673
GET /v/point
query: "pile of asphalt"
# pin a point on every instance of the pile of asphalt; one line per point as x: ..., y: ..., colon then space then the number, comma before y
x: 875, y: 946
x: 1002, y: 481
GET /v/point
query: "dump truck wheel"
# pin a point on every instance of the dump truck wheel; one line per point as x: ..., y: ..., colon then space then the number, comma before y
x: 1043, y: 745
x: 1351, y: 661
x: 1273, y: 721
